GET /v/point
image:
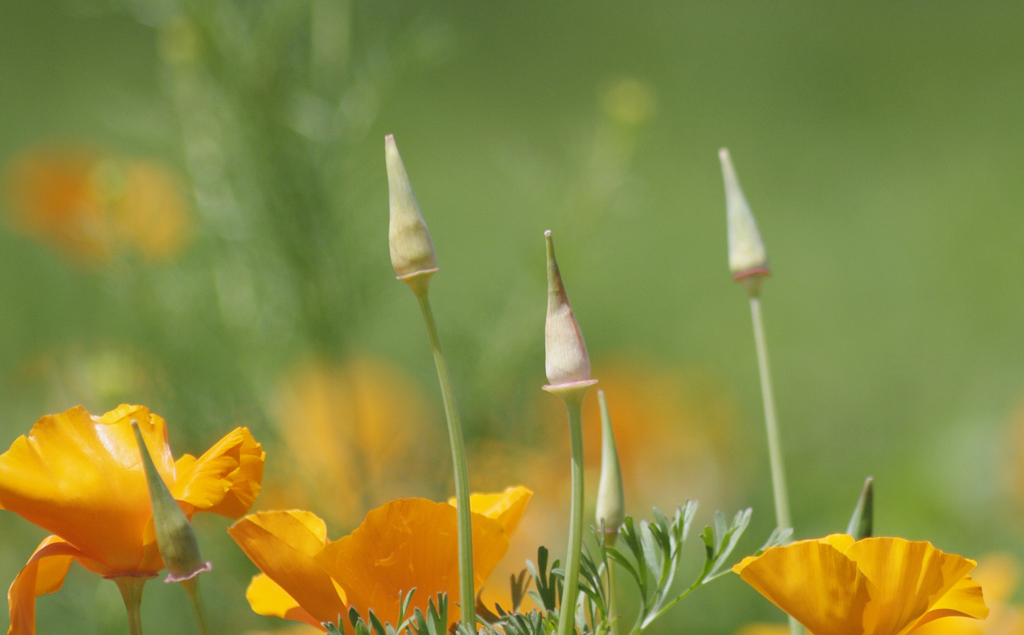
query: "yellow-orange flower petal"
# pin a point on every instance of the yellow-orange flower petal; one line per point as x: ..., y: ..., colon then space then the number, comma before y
x: 759, y: 628
x: 44, y: 573
x: 814, y: 582
x: 266, y: 597
x: 284, y: 545
x: 507, y: 507
x: 875, y: 586
x: 409, y: 543
x: 403, y: 545
x: 963, y: 600
x: 63, y: 474
x: 911, y: 577
x: 226, y: 479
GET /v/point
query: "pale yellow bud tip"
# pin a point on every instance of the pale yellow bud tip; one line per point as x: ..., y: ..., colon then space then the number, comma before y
x: 412, y: 251
x: 566, y: 359
x: 747, y: 256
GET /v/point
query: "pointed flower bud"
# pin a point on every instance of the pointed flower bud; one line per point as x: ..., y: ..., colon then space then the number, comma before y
x: 747, y: 256
x: 862, y: 522
x: 174, y: 536
x: 565, y: 353
x: 611, y: 502
x: 412, y: 251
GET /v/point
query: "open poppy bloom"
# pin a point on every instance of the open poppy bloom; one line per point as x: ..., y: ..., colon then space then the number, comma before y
x: 404, y: 544
x: 874, y: 586
x: 81, y: 477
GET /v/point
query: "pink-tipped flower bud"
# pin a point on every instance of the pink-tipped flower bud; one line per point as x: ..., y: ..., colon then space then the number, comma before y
x: 747, y: 256
x: 412, y: 251
x: 566, y: 360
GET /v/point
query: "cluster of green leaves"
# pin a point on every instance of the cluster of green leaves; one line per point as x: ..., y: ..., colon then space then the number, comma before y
x: 649, y: 552
x: 434, y: 622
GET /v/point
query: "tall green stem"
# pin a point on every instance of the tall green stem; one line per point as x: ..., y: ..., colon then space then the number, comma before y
x: 191, y: 587
x: 613, y: 611
x: 774, y: 445
x: 131, y: 592
x: 782, y: 519
x: 466, y: 586
x: 567, y: 617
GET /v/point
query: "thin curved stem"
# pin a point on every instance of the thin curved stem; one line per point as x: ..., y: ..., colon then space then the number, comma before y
x: 782, y: 518
x: 458, y: 445
x: 613, y: 612
x: 774, y: 445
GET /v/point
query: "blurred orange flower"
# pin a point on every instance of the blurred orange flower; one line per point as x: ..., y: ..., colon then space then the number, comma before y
x: 81, y: 478
x: 89, y: 204
x: 346, y: 427
x: 874, y: 586
x: 407, y: 543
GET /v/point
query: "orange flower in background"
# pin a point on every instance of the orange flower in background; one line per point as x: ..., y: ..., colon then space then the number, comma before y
x: 150, y: 212
x: 59, y: 195
x: 406, y: 543
x: 346, y: 427
x: 81, y: 478
x: 874, y: 586
x: 673, y: 430
x: 90, y: 205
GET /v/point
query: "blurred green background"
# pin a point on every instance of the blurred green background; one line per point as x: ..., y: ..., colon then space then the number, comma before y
x: 879, y: 144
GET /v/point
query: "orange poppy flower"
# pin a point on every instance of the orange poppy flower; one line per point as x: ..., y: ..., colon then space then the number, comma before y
x: 406, y: 543
x: 90, y: 204
x: 81, y: 478
x: 874, y: 586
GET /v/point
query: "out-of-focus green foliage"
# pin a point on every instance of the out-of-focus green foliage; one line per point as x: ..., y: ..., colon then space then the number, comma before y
x: 878, y: 145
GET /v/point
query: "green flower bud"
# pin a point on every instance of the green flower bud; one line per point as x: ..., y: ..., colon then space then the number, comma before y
x: 862, y: 522
x: 611, y: 502
x: 174, y: 536
x: 565, y: 359
x: 412, y: 251
x: 747, y: 256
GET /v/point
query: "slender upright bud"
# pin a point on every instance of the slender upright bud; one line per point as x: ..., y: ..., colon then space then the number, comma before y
x: 611, y: 502
x: 412, y: 252
x: 862, y: 522
x: 568, y: 370
x: 565, y: 353
x: 174, y: 536
x: 747, y: 257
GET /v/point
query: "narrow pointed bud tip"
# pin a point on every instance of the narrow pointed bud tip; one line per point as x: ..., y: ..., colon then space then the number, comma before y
x: 412, y: 251
x: 611, y: 501
x: 747, y: 255
x: 862, y: 522
x: 565, y: 353
x: 174, y: 536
